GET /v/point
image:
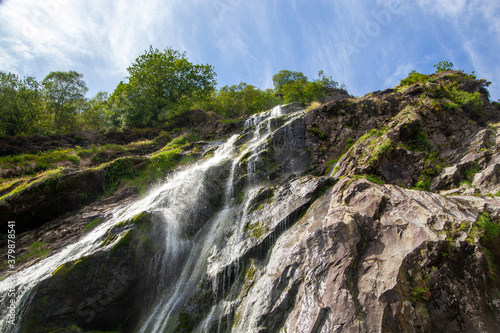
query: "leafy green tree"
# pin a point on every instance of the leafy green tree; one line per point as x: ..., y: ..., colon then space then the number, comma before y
x: 21, y: 107
x: 443, y: 65
x: 239, y: 100
x: 285, y: 77
x: 295, y: 87
x: 328, y: 82
x: 163, y: 83
x: 64, y: 91
x: 92, y: 115
x: 118, y: 106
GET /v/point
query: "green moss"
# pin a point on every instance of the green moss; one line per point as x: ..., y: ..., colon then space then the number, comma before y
x: 115, y: 172
x: 367, y: 135
x: 323, y: 136
x: 332, y: 161
x: 250, y: 275
x: 30, y: 163
x: 378, y: 150
x: 155, y: 169
x: 489, y: 234
x: 414, y: 77
x: 419, y: 141
x: 186, y: 159
x: 93, y: 224
x: 123, y: 242
x: 491, y: 230
x: 65, y: 268
x: 349, y: 144
x: 420, y: 294
x: 256, y: 230
x: 240, y: 198
x: 374, y: 179
x: 141, y: 218
x: 432, y: 169
x: 245, y: 157
x: 45, y: 177
x: 36, y: 250
x: 109, y: 239
x: 469, y: 174
x: 185, y: 323
x: 181, y: 141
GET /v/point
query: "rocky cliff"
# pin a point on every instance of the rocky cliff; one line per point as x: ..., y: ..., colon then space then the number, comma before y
x: 370, y: 214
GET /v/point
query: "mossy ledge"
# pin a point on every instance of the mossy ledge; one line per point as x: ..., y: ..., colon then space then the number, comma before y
x: 109, y: 281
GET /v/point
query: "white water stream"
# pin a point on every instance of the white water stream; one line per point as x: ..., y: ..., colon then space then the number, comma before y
x: 176, y: 196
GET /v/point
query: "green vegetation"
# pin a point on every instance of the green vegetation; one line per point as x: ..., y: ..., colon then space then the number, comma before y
x: 116, y: 171
x: 161, y: 84
x: 371, y: 133
x: 295, y: 86
x: 489, y: 235
x: 323, y: 136
x: 46, y: 176
x: 414, y: 77
x: 419, y: 141
x: 443, y: 65
x: 93, y: 224
x: 30, y: 163
x: 380, y: 148
x: 490, y: 231
x: 63, y: 91
x: 458, y: 98
x: 240, y: 100
x: 181, y: 141
x: 349, y: 143
x: 432, y: 168
x: 120, y: 166
x: 21, y: 108
x: 36, y: 250
x: 255, y: 230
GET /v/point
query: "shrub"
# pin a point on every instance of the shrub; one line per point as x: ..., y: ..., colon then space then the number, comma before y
x: 414, y: 77
x: 443, y: 65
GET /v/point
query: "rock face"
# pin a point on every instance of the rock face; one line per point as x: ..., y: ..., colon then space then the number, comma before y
x: 371, y: 258
x: 375, y: 214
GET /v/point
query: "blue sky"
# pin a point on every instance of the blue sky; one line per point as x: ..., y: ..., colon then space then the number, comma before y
x: 367, y: 45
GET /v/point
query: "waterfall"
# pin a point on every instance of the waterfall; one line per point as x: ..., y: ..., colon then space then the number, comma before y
x: 173, y: 201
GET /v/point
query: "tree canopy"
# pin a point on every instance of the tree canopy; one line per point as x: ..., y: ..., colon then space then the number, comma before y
x: 63, y: 91
x: 239, y: 100
x: 20, y: 104
x: 296, y: 87
x: 159, y: 85
x: 162, y: 83
x: 285, y: 76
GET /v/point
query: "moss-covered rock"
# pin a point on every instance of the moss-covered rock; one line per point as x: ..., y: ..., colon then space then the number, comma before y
x: 105, y: 291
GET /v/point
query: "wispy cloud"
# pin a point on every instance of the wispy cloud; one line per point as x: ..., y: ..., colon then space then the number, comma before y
x: 366, y: 45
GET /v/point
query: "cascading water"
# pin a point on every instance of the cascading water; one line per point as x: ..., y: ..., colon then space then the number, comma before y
x: 173, y: 201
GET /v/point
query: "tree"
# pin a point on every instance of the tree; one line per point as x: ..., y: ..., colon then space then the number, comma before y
x: 239, y: 100
x: 20, y: 105
x: 295, y: 87
x: 284, y: 77
x: 63, y: 91
x: 443, y: 65
x: 163, y: 83
x: 328, y: 82
x: 92, y: 115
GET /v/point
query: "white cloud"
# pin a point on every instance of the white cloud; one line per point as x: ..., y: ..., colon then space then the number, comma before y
x: 444, y: 7
x: 250, y: 41
x: 74, y: 33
